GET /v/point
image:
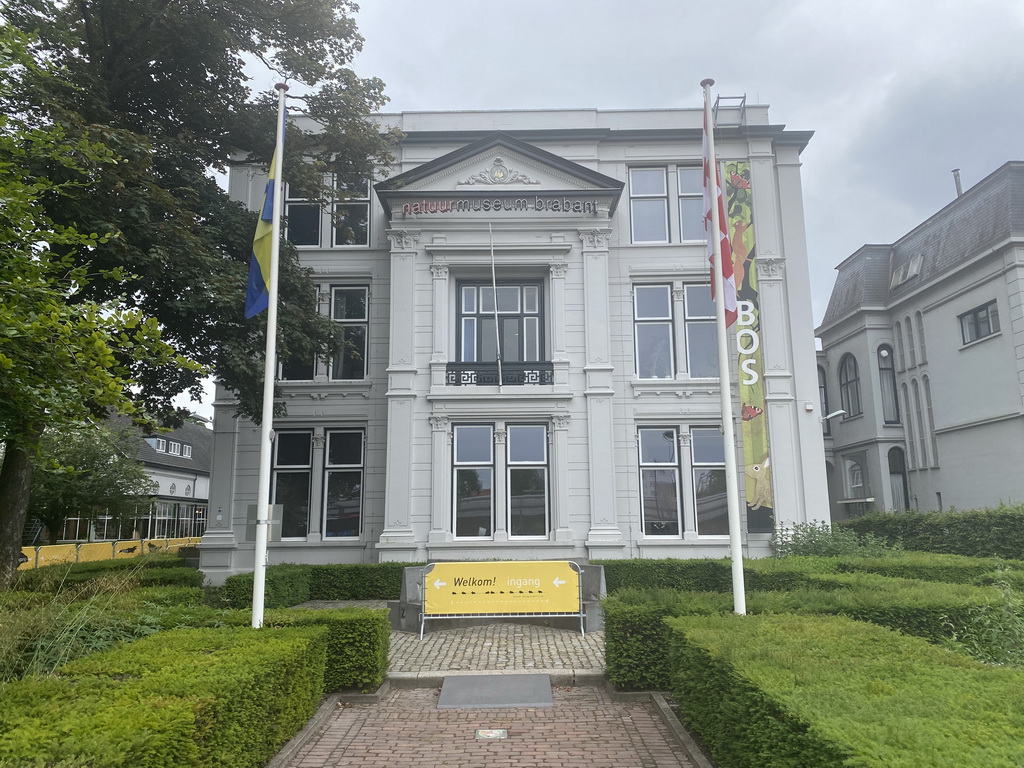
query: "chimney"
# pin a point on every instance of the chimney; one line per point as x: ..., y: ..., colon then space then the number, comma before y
x: 956, y: 180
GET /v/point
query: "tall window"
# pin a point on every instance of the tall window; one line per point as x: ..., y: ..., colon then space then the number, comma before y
x: 302, y: 219
x: 691, y: 203
x: 823, y: 401
x: 352, y: 218
x: 343, y: 481
x: 519, y: 311
x: 911, y: 349
x: 660, y: 500
x: 292, y: 474
x: 857, y: 486
x: 349, y: 310
x: 911, y: 445
x: 901, y: 359
x: 474, y: 481
x: 648, y: 205
x: 979, y: 322
x: 898, y: 480
x: 701, y: 334
x: 849, y: 386
x: 922, y: 355
x: 922, y: 436
x: 652, y: 328
x: 887, y: 377
x: 933, y: 439
x: 707, y: 449
x: 527, y: 480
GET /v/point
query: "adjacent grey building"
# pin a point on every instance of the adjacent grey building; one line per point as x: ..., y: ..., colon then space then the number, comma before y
x: 923, y: 349
x: 532, y: 372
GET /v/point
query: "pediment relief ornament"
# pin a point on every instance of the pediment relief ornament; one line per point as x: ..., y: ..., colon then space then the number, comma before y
x: 499, y: 173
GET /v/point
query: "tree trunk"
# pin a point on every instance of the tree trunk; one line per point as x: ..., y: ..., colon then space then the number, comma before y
x: 15, y: 486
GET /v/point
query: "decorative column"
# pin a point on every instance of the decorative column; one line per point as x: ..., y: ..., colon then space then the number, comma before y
x: 560, y: 478
x: 556, y: 321
x: 604, y: 530
x: 499, y: 486
x: 316, y: 493
x: 397, y: 541
x: 441, y: 480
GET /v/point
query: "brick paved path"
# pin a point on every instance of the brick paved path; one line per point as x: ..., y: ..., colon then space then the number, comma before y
x: 584, y: 729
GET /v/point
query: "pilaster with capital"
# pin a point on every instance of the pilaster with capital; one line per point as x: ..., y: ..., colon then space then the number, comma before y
x: 559, y: 269
x: 439, y: 354
x: 560, y: 480
x: 441, y: 478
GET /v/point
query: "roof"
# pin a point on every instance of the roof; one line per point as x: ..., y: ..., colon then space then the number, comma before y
x: 190, y: 433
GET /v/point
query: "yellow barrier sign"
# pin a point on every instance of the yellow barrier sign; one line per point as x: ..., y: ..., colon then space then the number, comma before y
x: 543, y: 586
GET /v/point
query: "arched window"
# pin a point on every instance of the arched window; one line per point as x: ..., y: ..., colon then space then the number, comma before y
x: 912, y: 459
x: 922, y: 438
x: 901, y: 361
x: 922, y: 354
x: 911, y: 353
x: 931, y: 420
x: 898, y: 480
x: 823, y: 404
x: 887, y: 377
x: 849, y: 386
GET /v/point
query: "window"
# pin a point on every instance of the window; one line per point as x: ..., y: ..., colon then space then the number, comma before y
x: 922, y: 354
x: 474, y: 481
x: 173, y: 448
x: 648, y: 205
x: 898, y: 480
x: 161, y: 445
x: 297, y: 369
x: 934, y: 444
x: 343, y: 481
x: 708, y: 451
x: 527, y: 480
x: 898, y: 334
x: 349, y: 310
x: 352, y: 219
x: 652, y: 327
x: 518, y: 312
x: 887, y: 377
x: 979, y: 322
x: 701, y: 334
x: 172, y: 490
x: 857, y: 487
x: 660, y: 500
x: 188, y: 491
x: 911, y: 457
x: 823, y: 402
x: 922, y: 437
x: 293, y: 457
x: 186, y: 451
x: 302, y: 220
x: 849, y: 386
x: 691, y: 203
x: 911, y: 349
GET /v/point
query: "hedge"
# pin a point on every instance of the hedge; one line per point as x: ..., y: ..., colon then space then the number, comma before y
x: 978, y: 533
x: 214, y: 697
x: 148, y: 570
x: 830, y: 692
x: 635, y: 636
x: 290, y: 584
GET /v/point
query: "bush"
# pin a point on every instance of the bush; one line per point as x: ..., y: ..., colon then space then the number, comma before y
x: 290, y: 584
x: 226, y: 698
x: 995, y: 532
x: 148, y: 570
x: 831, y: 692
x: 823, y: 540
x: 285, y: 585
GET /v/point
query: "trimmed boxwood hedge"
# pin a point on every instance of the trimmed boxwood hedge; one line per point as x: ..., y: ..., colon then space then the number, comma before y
x: 196, y: 697
x: 831, y: 692
x: 147, y: 570
x: 290, y: 584
x: 995, y: 532
x: 635, y: 636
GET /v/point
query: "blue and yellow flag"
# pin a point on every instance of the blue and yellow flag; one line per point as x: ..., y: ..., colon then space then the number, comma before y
x: 258, y: 292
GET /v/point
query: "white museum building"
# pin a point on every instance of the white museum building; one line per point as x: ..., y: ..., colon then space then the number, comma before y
x: 532, y: 369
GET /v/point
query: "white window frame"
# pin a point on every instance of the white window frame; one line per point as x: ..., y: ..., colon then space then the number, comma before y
x: 350, y: 323
x: 653, y: 321
x: 330, y: 469
x: 637, y: 198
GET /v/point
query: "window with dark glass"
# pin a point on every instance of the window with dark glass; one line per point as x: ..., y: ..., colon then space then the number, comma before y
x: 527, y: 479
x: 979, y: 322
x: 509, y: 319
x: 292, y: 475
x: 898, y: 480
x: 349, y: 309
x: 648, y: 205
x: 660, y: 499
x: 701, y: 333
x: 823, y: 401
x: 297, y: 369
x: 849, y: 386
x: 352, y: 219
x: 343, y: 480
x: 707, y: 448
x: 302, y: 220
x: 652, y: 328
x: 473, y: 481
x: 887, y: 380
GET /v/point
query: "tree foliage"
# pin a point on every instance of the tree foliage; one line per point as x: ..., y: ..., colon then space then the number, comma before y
x: 86, y: 471
x: 163, y: 84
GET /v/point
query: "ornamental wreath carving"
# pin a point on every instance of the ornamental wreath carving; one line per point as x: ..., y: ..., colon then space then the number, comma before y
x: 499, y: 173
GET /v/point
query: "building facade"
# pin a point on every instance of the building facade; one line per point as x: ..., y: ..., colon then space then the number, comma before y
x: 923, y: 351
x: 531, y: 370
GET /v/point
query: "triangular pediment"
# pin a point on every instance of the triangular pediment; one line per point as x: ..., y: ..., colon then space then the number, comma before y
x: 497, y: 166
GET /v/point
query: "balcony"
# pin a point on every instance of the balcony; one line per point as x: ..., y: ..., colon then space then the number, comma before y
x: 486, y: 374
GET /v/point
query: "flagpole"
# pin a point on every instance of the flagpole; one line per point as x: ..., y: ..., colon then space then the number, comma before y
x: 259, y: 573
x: 739, y: 599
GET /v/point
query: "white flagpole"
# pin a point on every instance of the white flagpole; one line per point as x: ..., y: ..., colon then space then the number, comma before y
x: 259, y: 573
x: 739, y: 598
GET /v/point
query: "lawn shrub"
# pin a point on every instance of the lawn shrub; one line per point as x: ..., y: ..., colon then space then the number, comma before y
x: 290, y: 584
x: 285, y: 585
x: 997, y: 532
x: 822, y: 539
x: 827, y: 692
x: 225, y: 697
x: 52, y: 578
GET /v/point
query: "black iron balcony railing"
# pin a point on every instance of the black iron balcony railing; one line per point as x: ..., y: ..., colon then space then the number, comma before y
x: 486, y: 374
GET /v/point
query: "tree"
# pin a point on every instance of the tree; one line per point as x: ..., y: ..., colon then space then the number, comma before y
x: 63, y: 357
x: 162, y: 82
x: 86, y: 471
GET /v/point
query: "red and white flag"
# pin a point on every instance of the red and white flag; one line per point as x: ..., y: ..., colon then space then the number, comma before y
x: 728, y: 281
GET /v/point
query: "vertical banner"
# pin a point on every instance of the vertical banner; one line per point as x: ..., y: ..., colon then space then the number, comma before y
x: 757, y: 465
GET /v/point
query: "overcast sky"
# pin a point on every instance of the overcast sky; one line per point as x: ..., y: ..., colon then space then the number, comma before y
x: 898, y: 92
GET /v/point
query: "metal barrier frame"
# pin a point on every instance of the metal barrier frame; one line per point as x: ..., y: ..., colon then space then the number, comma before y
x: 424, y: 617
